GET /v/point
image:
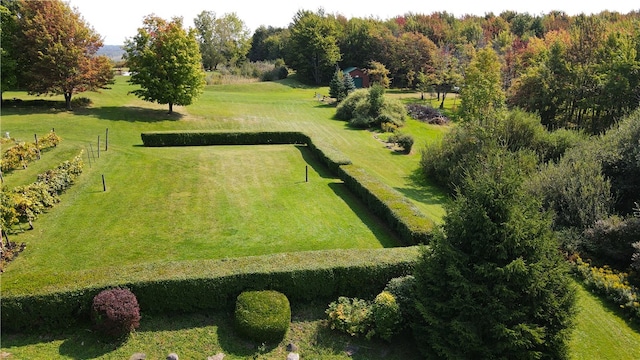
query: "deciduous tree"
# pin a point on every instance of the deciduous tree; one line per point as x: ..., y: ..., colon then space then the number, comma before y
x: 165, y: 61
x: 482, y: 94
x: 8, y: 32
x: 58, y: 51
x: 222, y: 40
x: 312, y: 49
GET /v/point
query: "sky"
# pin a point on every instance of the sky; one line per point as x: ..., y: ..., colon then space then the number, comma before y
x: 116, y: 20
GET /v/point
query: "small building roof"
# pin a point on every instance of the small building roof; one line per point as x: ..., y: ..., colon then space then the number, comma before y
x: 349, y: 69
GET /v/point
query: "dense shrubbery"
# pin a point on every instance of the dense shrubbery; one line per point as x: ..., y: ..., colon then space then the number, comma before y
x: 115, y: 312
x: 365, y: 108
x: 358, y: 317
x: 464, y: 146
x: 263, y: 70
x: 611, y: 240
x: 215, y: 285
x: 19, y: 155
x: 263, y: 316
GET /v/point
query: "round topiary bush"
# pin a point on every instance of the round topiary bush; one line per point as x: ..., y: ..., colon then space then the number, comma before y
x: 115, y: 312
x: 263, y: 316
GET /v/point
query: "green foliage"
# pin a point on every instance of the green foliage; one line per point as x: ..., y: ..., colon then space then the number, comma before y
x: 482, y: 95
x: 405, y: 141
x: 29, y: 201
x: 222, y: 40
x: 620, y: 156
x: 358, y: 317
x: 403, y: 290
x: 336, y: 86
x: 574, y: 189
x: 401, y: 215
x: 19, y: 155
x: 365, y: 108
x: 386, y: 314
x: 312, y: 48
x: 214, y: 285
x: 462, y: 148
x: 8, y: 59
x: 263, y: 316
x: 611, y: 240
x: 612, y: 284
x: 165, y: 61
x: 350, y: 315
x: 496, y: 250
x: 115, y: 312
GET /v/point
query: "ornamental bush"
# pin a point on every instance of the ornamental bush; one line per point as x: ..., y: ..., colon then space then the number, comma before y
x: 386, y: 315
x: 115, y: 312
x: 350, y: 315
x: 263, y: 316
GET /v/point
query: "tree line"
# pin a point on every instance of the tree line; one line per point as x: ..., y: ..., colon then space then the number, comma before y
x: 578, y: 71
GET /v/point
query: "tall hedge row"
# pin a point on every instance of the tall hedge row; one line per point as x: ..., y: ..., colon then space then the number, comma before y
x: 214, y: 285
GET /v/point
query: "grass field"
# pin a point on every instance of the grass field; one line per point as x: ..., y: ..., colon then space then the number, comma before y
x: 173, y: 205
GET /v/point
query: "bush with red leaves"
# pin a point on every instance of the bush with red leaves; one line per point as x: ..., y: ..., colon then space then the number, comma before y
x: 115, y: 312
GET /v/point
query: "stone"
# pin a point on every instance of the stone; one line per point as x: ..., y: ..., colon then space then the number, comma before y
x: 218, y: 356
x: 138, y: 356
x: 291, y: 347
x: 293, y: 356
x: 172, y: 356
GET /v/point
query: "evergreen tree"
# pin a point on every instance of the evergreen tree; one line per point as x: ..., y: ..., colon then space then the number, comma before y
x: 349, y: 84
x: 493, y: 284
x: 336, y: 86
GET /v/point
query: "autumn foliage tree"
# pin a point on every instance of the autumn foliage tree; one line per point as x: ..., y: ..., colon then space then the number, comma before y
x: 58, y: 51
x: 165, y: 61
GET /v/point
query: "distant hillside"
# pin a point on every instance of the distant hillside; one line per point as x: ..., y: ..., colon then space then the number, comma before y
x: 113, y: 52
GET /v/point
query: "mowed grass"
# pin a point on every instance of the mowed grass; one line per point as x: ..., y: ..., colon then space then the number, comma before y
x: 193, y: 203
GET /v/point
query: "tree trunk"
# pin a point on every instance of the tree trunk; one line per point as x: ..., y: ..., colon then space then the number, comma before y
x: 170, y: 108
x: 67, y: 100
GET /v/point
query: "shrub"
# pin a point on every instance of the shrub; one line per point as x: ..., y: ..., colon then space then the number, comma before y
x: 403, y: 289
x: 427, y: 114
x: 405, y: 141
x: 345, y: 110
x: 350, y: 315
x: 611, y: 240
x: 386, y: 314
x: 115, y: 312
x: 263, y: 316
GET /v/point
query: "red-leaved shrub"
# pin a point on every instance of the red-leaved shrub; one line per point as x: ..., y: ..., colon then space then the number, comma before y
x: 115, y: 312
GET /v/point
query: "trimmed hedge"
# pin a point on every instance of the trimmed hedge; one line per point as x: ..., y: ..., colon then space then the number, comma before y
x: 263, y: 316
x: 215, y: 284
x: 328, y: 154
x: 401, y: 215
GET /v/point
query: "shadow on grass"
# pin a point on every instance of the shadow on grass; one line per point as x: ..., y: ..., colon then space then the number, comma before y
x: 377, y: 226
x: 130, y: 114
x: 310, y: 159
x: 423, y: 191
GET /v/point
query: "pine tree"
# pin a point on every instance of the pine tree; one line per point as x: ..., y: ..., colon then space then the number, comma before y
x: 492, y: 284
x: 349, y: 84
x: 336, y: 86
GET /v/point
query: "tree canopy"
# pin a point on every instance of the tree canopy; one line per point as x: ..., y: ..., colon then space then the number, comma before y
x: 222, y: 40
x: 165, y: 61
x: 58, y: 51
x: 493, y: 284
